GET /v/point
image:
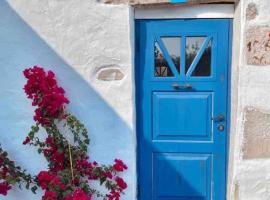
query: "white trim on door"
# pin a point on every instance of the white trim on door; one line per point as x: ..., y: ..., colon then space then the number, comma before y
x: 178, y: 12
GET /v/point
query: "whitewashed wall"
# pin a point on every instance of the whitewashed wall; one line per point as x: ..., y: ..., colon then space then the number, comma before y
x: 74, y: 39
x: 251, y: 176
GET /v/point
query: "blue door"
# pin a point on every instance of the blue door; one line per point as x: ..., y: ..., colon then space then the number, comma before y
x: 182, y: 98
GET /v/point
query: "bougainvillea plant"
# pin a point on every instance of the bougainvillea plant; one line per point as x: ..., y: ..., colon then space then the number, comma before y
x: 70, y: 170
x: 11, y: 174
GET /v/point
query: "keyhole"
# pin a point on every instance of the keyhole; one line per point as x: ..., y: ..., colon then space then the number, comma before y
x: 221, y: 127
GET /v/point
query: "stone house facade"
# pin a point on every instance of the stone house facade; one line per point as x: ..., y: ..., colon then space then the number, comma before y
x: 91, y: 46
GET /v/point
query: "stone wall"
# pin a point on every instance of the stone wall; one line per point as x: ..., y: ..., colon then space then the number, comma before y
x: 251, y: 158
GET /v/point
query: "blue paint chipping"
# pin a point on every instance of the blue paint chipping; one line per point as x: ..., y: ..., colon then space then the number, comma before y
x: 179, y: 1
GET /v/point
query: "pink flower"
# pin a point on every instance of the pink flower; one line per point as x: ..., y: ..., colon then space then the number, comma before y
x: 26, y: 141
x: 121, y: 183
x: 46, y: 179
x: 4, y: 188
x: 49, y: 196
x: 79, y: 194
x: 119, y: 165
x: 114, y: 195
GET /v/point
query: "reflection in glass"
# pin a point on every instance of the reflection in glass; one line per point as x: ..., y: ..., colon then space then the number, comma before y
x: 173, y: 46
x: 193, y: 46
x: 203, y: 68
x: 162, y: 68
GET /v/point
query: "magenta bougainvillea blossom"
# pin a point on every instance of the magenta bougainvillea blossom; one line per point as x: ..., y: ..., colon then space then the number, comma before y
x: 42, y: 89
x: 69, y: 170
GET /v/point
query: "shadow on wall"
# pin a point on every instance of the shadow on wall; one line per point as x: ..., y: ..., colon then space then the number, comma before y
x: 21, y: 47
x: 111, y: 137
x: 175, y: 176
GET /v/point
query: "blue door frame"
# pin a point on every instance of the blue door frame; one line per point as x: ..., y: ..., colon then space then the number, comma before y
x: 181, y: 114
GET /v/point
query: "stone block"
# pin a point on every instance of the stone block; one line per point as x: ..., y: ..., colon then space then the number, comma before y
x: 236, y: 192
x: 251, y: 11
x: 256, y: 134
x: 258, y: 45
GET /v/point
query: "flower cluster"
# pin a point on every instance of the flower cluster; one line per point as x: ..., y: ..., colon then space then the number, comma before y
x: 55, y: 158
x: 93, y: 171
x: 48, y: 180
x: 78, y: 194
x: 119, y: 165
x: 69, y: 169
x: 4, y: 185
x: 42, y: 88
x: 10, y: 174
x: 55, y: 182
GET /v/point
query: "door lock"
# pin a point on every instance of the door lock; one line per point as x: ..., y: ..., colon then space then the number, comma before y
x: 221, y: 127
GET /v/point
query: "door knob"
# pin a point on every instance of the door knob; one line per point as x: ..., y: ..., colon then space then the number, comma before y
x: 219, y: 118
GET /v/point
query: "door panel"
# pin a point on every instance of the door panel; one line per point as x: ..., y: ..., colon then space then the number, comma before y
x: 182, y: 116
x: 181, y: 91
x: 188, y: 175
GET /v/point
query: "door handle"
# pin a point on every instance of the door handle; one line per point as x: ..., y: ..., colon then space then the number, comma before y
x: 176, y: 86
x: 219, y: 118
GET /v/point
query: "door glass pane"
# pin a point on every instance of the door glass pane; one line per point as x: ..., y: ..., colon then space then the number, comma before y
x: 162, y: 68
x: 203, y: 68
x: 173, y: 46
x: 193, y: 46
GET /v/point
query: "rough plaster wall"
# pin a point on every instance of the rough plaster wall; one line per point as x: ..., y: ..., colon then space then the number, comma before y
x: 75, y: 39
x: 251, y: 176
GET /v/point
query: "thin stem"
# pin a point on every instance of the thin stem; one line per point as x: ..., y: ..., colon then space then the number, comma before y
x: 71, y: 163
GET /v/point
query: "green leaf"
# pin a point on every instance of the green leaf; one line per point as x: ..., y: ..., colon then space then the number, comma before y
x: 33, y: 189
x: 86, y: 141
x: 102, y: 180
x: 27, y: 186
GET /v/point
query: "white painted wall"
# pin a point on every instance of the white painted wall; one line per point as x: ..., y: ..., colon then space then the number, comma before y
x: 252, y: 85
x: 74, y: 39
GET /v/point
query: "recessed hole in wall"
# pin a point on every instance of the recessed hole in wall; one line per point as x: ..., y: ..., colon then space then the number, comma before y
x: 110, y: 73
